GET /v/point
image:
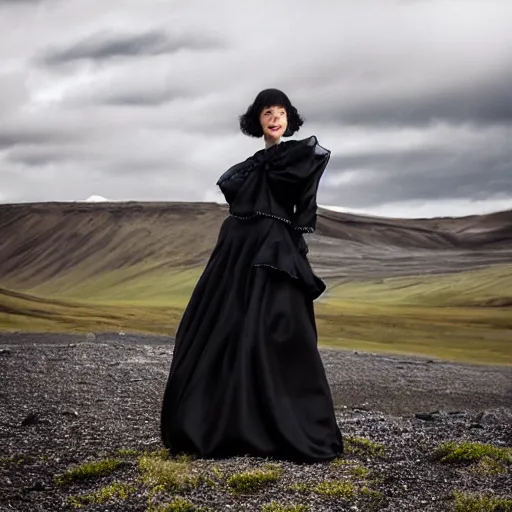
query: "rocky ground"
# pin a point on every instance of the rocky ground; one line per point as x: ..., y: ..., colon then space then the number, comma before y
x: 69, y: 400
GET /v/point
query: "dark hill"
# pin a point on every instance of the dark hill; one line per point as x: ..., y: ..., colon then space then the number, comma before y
x: 39, y: 241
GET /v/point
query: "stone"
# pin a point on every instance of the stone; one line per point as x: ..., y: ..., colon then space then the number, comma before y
x: 69, y: 413
x: 425, y: 416
x: 31, y: 419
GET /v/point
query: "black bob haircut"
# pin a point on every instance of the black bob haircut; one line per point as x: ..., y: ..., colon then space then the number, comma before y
x: 250, y: 121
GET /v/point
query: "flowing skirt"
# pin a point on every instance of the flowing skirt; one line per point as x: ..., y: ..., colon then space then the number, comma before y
x: 246, y: 376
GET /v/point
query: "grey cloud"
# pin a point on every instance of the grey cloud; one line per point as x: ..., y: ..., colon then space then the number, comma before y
x: 108, y: 154
x: 103, y: 46
x: 36, y: 134
x: 33, y: 160
x: 13, y: 94
x: 10, y: 138
x: 17, y: 2
x: 429, y: 187
x: 144, y: 98
x: 217, y: 116
x: 417, y: 161
x: 485, y: 102
x: 39, y: 155
x: 425, y: 174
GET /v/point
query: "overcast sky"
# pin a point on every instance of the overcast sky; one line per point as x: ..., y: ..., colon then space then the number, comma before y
x: 139, y: 100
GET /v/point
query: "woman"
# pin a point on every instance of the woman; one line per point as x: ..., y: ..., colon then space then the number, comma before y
x: 246, y: 377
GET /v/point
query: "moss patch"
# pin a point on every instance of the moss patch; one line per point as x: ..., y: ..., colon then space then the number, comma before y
x: 88, y: 470
x: 470, y: 502
x: 158, y: 471
x: 178, y: 505
x: 488, y: 466
x: 337, y: 489
x: 127, y: 452
x: 274, y: 506
x: 254, y: 480
x: 217, y: 472
x: 453, y: 452
x: 115, y: 491
x: 341, y: 462
x: 361, y: 446
x: 300, y: 487
x: 358, y: 471
x: 372, y: 495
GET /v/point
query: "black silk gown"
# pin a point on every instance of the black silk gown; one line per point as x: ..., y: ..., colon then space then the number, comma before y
x: 246, y: 376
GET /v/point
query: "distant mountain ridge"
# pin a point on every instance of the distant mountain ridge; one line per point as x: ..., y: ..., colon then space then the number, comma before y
x: 41, y: 241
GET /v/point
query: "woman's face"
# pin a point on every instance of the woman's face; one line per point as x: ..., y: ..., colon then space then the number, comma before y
x: 274, y: 122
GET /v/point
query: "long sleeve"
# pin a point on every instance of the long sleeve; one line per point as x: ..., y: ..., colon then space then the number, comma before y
x: 304, y: 218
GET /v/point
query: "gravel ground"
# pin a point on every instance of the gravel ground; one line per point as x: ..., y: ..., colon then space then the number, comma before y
x: 93, y: 397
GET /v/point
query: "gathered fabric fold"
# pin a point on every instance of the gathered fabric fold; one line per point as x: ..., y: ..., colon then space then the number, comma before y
x: 280, y: 182
x: 282, y: 253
